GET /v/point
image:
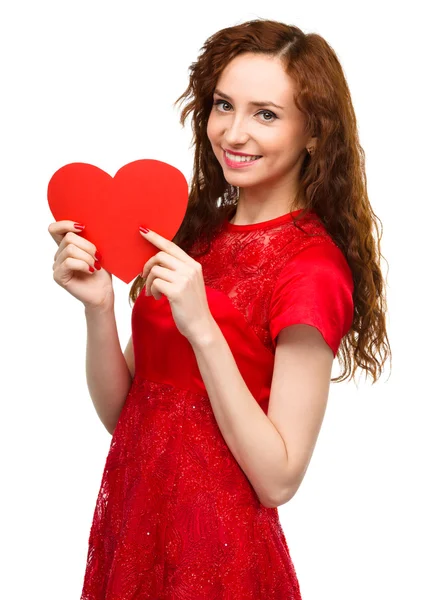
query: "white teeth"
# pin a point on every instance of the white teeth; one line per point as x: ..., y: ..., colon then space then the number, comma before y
x: 241, y: 158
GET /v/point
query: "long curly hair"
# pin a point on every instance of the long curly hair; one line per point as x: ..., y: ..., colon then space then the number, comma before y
x: 332, y: 180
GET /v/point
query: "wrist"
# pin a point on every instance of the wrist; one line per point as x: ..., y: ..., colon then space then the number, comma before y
x: 102, y: 309
x: 206, y: 335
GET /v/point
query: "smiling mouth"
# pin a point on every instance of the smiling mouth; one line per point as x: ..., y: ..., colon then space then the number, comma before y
x: 241, y: 156
x: 243, y: 162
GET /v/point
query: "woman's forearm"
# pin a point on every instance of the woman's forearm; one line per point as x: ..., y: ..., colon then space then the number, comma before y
x: 252, y: 438
x: 108, y: 376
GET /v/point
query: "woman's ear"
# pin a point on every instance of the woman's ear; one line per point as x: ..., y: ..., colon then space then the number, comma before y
x: 311, y: 144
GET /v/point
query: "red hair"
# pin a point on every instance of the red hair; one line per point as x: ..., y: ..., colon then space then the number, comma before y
x: 332, y: 180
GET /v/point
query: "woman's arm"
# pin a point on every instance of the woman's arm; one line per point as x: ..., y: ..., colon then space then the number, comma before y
x: 108, y: 376
x: 274, y: 458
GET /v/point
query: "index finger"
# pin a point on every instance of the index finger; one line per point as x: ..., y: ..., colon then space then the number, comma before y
x: 166, y: 245
x: 58, y: 229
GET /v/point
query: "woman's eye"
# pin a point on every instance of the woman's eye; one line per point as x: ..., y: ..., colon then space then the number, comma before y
x: 217, y: 102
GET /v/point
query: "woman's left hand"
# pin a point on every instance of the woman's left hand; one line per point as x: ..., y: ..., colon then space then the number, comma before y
x: 175, y: 274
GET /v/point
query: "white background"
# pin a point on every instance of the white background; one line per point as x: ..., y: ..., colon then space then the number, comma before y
x: 95, y: 82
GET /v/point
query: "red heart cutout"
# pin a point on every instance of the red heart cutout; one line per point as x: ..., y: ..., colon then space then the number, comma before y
x: 144, y: 192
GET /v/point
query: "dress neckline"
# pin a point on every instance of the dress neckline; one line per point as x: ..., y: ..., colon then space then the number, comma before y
x: 263, y: 224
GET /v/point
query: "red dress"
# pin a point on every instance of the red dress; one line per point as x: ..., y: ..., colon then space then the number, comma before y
x: 176, y: 517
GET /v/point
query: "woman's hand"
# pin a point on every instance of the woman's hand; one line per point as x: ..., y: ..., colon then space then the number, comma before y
x: 173, y: 273
x: 72, y: 266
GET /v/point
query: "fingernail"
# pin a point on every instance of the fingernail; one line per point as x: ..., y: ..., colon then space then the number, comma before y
x: 144, y: 229
x: 98, y: 265
x: 79, y: 226
x: 98, y: 255
x: 91, y: 269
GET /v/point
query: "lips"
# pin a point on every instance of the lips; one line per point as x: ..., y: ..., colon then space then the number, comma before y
x: 239, y: 164
x: 241, y: 154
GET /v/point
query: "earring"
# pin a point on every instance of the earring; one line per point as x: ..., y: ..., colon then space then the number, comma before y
x: 310, y: 150
x: 234, y: 192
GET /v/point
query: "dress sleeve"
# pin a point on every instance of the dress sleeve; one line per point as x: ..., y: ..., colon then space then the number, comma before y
x: 316, y: 288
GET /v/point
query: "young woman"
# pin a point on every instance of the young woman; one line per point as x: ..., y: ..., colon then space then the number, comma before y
x: 216, y: 405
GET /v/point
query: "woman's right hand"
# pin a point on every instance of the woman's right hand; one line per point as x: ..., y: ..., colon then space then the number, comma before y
x: 71, y: 267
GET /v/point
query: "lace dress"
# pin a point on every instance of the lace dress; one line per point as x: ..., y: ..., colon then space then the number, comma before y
x: 176, y: 517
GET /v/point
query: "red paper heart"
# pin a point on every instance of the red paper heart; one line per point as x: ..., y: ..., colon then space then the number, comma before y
x: 144, y: 192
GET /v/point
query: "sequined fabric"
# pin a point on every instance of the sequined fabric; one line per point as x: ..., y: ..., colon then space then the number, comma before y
x: 176, y: 517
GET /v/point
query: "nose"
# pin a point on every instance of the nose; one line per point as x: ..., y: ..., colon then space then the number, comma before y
x: 235, y: 133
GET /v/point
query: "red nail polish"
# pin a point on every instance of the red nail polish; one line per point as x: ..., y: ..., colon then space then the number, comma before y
x: 98, y: 255
x: 98, y: 265
x: 144, y: 229
x: 79, y: 226
x: 91, y: 269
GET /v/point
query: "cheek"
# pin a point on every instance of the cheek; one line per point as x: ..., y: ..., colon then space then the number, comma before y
x: 286, y: 143
x: 211, y: 129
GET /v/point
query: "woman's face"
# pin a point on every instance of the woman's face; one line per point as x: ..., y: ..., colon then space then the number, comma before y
x: 274, y: 133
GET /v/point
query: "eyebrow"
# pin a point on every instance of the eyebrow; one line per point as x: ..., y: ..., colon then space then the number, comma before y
x: 252, y: 103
